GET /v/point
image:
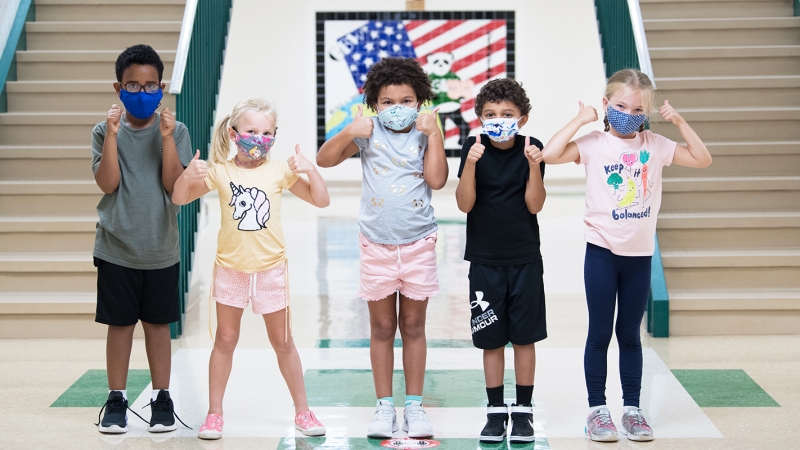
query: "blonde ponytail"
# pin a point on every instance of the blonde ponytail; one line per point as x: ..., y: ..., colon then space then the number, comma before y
x: 220, y: 141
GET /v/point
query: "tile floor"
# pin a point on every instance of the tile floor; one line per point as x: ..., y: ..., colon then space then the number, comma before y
x: 698, y: 392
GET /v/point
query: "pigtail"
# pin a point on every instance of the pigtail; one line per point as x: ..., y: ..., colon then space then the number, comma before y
x: 607, y: 125
x: 220, y: 142
x: 641, y: 128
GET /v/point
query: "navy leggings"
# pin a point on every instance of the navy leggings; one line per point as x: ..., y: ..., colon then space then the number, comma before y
x: 612, y: 279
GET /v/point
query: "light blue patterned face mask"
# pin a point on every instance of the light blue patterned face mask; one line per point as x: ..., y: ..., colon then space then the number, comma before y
x: 624, y: 123
x: 501, y: 130
x: 397, y: 117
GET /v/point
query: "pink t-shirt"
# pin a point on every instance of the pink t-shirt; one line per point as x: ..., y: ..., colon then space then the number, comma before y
x: 623, y: 189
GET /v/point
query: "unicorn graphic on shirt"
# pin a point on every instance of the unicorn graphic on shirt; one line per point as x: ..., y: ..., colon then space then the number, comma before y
x: 250, y: 208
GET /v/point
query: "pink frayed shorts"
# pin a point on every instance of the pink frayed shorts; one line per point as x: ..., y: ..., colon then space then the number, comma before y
x: 408, y: 268
x: 267, y: 289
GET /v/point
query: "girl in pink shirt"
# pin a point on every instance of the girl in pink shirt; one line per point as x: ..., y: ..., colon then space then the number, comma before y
x: 623, y: 195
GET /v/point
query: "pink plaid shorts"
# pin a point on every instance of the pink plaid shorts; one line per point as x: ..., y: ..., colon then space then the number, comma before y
x: 267, y: 289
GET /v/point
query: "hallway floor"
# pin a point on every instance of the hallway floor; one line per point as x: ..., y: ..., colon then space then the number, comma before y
x: 736, y: 392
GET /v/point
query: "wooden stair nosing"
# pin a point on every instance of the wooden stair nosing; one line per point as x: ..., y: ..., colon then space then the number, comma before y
x: 733, y: 82
x: 750, y: 219
x: 49, y: 187
x: 115, y: 27
x: 749, y: 51
x: 17, y: 303
x: 731, y: 258
x: 51, y: 262
x: 726, y: 23
x: 767, y: 183
x: 47, y: 224
x: 45, y: 152
x: 79, y: 56
x: 760, y: 147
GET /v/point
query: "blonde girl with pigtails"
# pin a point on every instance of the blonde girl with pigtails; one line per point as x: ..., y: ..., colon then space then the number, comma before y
x: 623, y: 166
x: 251, y: 263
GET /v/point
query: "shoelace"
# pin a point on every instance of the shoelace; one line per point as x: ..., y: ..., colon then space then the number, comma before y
x: 417, y: 415
x: 637, y: 419
x: 603, y: 420
x: 384, y: 415
x: 116, y: 406
x: 214, y: 423
x: 162, y: 405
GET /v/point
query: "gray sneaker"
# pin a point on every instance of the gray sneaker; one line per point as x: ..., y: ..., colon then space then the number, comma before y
x: 600, y: 427
x: 635, y: 426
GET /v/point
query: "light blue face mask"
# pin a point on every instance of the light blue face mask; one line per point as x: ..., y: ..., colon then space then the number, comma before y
x: 501, y: 130
x: 397, y: 117
x: 624, y: 123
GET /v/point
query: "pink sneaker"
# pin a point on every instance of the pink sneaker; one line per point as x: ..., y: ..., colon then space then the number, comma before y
x: 308, y: 424
x: 212, y: 427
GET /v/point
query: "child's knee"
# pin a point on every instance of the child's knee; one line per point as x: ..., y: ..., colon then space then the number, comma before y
x: 412, y: 326
x: 226, y: 340
x: 383, y: 329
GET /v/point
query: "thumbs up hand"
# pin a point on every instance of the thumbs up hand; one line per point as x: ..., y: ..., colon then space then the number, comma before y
x: 586, y: 114
x: 668, y: 113
x: 476, y: 151
x: 532, y: 152
x: 360, y: 126
x: 167, y: 126
x: 427, y: 122
x: 112, y: 119
x: 298, y: 163
x: 197, y: 169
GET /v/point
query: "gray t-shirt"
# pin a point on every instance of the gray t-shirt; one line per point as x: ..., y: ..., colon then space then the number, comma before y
x: 395, y: 200
x: 138, y: 224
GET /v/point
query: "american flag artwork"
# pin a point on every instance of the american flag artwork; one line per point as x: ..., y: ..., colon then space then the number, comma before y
x: 459, y: 56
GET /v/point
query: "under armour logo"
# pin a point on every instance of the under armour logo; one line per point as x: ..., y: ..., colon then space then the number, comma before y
x: 479, y: 301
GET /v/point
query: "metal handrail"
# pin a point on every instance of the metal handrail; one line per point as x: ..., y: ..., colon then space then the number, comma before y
x: 182, y: 53
x: 640, y: 38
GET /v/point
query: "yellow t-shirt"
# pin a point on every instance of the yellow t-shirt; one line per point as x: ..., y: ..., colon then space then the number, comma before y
x: 251, y: 235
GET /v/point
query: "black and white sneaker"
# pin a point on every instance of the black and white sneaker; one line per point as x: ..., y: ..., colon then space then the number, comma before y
x: 115, y: 420
x: 521, y: 424
x: 162, y: 417
x: 496, y: 424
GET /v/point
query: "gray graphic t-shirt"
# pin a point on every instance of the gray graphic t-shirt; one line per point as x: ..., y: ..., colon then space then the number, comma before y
x: 395, y: 200
x: 138, y: 225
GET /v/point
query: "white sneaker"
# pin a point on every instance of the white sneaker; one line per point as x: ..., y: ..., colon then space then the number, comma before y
x: 416, y: 422
x: 384, y: 423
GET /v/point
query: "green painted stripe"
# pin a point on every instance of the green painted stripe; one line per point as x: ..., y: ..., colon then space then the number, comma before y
x: 91, y: 389
x: 451, y: 221
x: 344, y: 443
x: 723, y: 388
x: 443, y: 388
x: 364, y: 343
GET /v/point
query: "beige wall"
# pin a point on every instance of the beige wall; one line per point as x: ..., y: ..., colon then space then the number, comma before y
x: 271, y: 52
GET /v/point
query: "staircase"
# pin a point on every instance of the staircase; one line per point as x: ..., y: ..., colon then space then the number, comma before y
x: 730, y: 233
x: 47, y: 191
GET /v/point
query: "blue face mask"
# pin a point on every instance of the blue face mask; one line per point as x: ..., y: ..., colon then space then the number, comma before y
x: 141, y: 104
x: 501, y: 130
x: 397, y: 117
x: 624, y: 123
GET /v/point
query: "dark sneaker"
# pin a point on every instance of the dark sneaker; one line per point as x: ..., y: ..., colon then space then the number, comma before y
x: 521, y: 424
x: 496, y: 423
x: 115, y: 420
x: 162, y: 417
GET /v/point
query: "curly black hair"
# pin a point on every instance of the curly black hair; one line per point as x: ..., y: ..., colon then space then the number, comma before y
x: 503, y: 89
x: 139, y: 54
x: 395, y: 71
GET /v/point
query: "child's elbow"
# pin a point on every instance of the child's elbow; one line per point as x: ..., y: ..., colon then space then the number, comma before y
x: 321, y: 162
x: 324, y: 203
x: 707, y: 162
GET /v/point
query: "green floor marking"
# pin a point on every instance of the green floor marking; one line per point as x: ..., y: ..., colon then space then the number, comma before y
x: 344, y: 443
x: 364, y: 343
x: 721, y: 388
x: 91, y: 389
x: 443, y: 388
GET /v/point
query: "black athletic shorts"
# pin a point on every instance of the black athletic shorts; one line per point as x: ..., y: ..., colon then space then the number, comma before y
x: 125, y: 296
x: 507, y: 304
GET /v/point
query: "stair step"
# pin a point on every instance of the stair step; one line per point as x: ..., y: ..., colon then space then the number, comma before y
x: 45, y: 152
x: 737, y: 300
x: 735, y: 124
x: 46, y: 262
x: 727, y: 92
x: 726, y: 61
x: 749, y: 147
x: 749, y: 219
x: 734, y: 236
x: 734, y: 31
x: 732, y: 278
x: 48, y: 302
x: 83, y: 10
x: 34, y: 187
x: 754, y: 164
x: 731, y: 258
x: 677, y: 9
x: 48, y: 224
x: 732, y: 184
x: 78, y: 65
x: 68, y: 96
x: 29, y: 162
x: 101, y: 35
x: 62, y: 128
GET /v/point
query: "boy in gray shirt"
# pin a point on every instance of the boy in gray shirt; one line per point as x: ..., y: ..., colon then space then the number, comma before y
x: 136, y: 158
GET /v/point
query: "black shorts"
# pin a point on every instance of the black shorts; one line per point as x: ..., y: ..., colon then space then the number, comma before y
x: 125, y: 296
x: 507, y: 304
